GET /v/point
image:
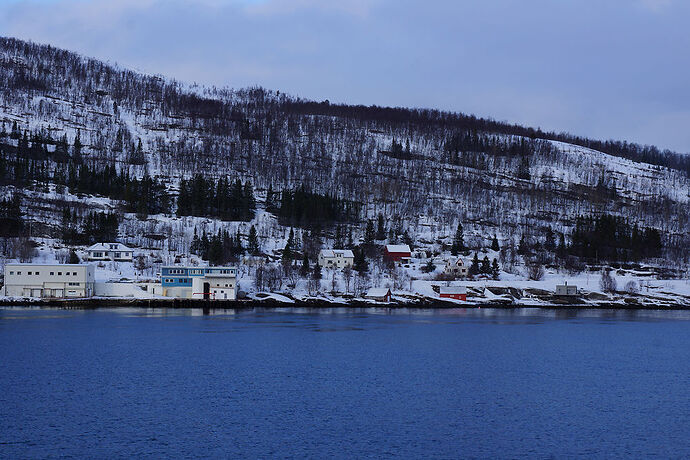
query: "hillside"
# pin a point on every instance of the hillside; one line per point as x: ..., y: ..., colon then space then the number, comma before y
x: 79, y: 136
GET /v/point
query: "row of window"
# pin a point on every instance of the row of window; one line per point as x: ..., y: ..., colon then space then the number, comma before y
x: 199, y: 271
x: 117, y: 255
x: 51, y: 273
x: 179, y: 280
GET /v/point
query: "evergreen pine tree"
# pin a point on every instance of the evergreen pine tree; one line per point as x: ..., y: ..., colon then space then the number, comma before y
x: 304, y: 269
x: 253, y: 241
x: 287, y: 251
x: 73, y: 257
x: 494, y: 244
x: 522, y: 246
x: 474, y: 268
x: 495, y: 270
x: 549, y: 241
x: 316, y: 273
x: 360, y: 264
x: 239, y: 248
x: 338, y: 240
x: 458, y: 241
x: 369, y: 234
x: 429, y: 266
x: 381, y: 229
x: 523, y: 170
x: 486, y: 266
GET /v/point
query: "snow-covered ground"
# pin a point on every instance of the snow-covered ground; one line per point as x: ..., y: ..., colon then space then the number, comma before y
x: 408, y: 283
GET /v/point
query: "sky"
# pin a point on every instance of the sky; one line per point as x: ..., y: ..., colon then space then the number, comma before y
x: 606, y: 69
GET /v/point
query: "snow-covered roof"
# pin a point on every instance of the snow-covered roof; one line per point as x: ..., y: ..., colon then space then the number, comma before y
x: 333, y: 252
x: 107, y: 247
x: 453, y: 290
x: 457, y: 262
x: 31, y: 264
x: 378, y: 292
x: 397, y: 248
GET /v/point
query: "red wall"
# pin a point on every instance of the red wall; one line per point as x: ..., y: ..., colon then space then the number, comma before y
x: 455, y: 296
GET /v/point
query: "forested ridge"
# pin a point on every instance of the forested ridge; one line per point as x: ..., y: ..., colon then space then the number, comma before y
x: 71, y: 125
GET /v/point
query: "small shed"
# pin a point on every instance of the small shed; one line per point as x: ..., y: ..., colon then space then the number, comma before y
x: 379, y: 294
x: 567, y: 290
x: 453, y: 292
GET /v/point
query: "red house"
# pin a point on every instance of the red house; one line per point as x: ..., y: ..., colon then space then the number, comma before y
x: 379, y: 294
x: 454, y: 292
x: 398, y: 252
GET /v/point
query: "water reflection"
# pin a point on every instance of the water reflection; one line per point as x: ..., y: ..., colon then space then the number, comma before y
x: 294, y: 315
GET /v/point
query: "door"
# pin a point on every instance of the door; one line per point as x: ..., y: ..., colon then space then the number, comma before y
x: 36, y: 292
x: 207, y: 291
x: 59, y: 293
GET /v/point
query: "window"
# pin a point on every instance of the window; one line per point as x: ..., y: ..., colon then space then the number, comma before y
x: 52, y: 273
x: 59, y: 273
x: 74, y: 273
x: 19, y: 273
x: 36, y: 273
x: 11, y: 273
x: 29, y: 273
x: 73, y: 284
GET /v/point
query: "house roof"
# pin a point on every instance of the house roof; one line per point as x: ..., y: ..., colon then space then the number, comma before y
x: 457, y: 262
x: 18, y: 264
x: 378, y: 292
x: 453, y: 290
x: 106, y: 247
x: 397, y: 248
x: 333, y: 252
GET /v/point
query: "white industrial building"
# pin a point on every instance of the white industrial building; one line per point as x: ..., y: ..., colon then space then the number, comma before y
x: 336, y: 258
x: 116, y: 252
x: 211, y: 283
x: 49, y: 281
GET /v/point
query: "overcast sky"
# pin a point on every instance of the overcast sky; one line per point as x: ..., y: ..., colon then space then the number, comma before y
x: 601, y: 68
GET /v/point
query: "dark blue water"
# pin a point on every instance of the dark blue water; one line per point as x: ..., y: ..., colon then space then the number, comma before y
x: 477, y: 383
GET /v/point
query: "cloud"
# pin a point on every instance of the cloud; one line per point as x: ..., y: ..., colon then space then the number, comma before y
x: 655, y: 5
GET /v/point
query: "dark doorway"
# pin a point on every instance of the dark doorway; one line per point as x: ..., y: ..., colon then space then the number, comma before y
x: 207, y: 289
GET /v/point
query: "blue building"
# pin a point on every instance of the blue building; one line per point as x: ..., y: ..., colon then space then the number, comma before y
x: 212, y: 283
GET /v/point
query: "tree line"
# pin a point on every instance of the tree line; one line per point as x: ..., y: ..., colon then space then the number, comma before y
x: 303, y: 208
x: 205, y: 197
x: 612, y: 238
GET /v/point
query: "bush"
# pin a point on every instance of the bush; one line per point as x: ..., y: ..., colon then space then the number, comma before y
x: 631, y: 287
x: 607, y: 283
x: 535, y: 271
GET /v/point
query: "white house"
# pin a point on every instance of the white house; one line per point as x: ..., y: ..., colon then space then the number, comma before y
x: 49, y: 281
x: 456, y: 267
x: 116, y: 252
x: 336, y: 258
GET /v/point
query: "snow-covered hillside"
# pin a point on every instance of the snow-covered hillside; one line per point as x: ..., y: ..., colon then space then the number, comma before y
x: 424, y: 171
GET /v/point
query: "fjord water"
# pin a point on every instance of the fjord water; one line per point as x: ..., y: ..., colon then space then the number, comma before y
x: 344, y: 383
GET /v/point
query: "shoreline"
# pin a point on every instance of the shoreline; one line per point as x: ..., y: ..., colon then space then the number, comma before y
x: 98, y: 303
